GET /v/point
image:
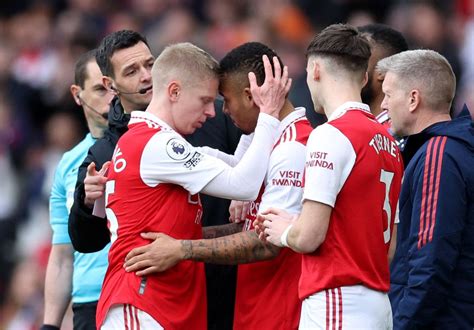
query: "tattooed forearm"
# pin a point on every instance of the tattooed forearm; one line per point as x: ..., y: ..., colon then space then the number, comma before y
x: 243, y: 247
x: 221, y: 230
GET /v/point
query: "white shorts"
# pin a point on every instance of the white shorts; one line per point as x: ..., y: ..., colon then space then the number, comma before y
x: 347, y: 307
x: 129, y: 317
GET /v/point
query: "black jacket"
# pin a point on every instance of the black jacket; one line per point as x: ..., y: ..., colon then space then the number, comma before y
x: 90, y: 233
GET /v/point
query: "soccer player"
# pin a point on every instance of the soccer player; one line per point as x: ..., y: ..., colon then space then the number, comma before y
x: 352, y: 181
x: 260, y: 302
x: 154, y: 180
x: 432, y: 278
x: 125, y: 60
x: 71, y: 273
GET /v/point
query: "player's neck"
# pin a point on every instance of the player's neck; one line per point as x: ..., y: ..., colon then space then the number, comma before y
x: 375, y: 105
x: 161, y: 109
x: 286, y: 110
x: 338, y: 98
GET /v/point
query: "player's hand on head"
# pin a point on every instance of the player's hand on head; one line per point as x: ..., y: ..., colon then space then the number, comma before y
x: 94, y: 183
x: 238, y: 211
x: 160, y: 255
x: 271, y: 96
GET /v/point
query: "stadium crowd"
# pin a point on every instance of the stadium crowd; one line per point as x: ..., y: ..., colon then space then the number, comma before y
x: 40, y: 41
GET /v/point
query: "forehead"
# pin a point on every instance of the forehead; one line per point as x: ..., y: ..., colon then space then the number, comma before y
x: 230, y: 85
x: 94, y: 75
x: 128, y: 56
x: 205, y: 87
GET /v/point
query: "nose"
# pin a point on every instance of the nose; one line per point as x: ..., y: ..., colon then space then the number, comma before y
x: 210, y: 111
x: 146, y: 74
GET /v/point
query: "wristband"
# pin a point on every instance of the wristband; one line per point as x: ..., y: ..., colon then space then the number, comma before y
x: 48, y: 327
x: 284, y: 236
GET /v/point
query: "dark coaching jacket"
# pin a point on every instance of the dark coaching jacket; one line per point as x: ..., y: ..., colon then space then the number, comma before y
x: 90, y: 233
x: 432, y: 273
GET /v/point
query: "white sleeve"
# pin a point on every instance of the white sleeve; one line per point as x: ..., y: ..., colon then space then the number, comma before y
x: 230, y: 160
x: 330, y: 158
x: 244, y: 144
x: 244, y: 180
x: 167, y: 157
x: 284, y: 180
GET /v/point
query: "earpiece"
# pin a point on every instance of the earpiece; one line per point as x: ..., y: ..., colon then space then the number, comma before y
x: 140, y: 91
x: 78, y: 99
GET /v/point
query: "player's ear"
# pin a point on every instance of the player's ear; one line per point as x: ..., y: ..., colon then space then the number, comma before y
x: 315, y: 70
x: 174, y: 90
x: 379, y: 76
x: 108, y: 84
x: 366, y: 79
x: 248, y: 94
x: 75, y: 90
x: 248, y: 98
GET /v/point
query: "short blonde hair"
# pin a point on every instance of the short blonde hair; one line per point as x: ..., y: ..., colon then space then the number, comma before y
x: 185, y: 62
x: 425, y: 70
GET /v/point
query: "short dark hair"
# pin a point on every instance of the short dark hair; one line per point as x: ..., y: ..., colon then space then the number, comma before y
x: 343, y: 44
x: 80, y: 69
x: 391, y: 40
x: 111, y: 43
x: 247, y: 58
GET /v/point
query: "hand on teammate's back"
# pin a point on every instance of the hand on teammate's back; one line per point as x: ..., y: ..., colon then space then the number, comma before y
x: 271, y: 96
x: 94, y: 183
x: 158, y: 256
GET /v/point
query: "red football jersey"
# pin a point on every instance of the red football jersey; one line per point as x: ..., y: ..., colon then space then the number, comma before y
x: 150, y: 166
x: 267, y: 291
x: 353, y: 165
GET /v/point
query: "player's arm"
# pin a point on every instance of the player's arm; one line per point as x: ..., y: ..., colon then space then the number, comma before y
x: 434, y: 253
x: 221, y: 230
x: 165, y: 252
x: 303, y: 234
x: 306, y: 232
x: 243, y: 181
x: 170, y: 159
x: 58, y: 281
x: 231, y: 160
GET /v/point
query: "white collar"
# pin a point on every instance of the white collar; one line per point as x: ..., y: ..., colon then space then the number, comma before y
x: 343, y: 108
x: 149, y: 118
x: 298, y: 113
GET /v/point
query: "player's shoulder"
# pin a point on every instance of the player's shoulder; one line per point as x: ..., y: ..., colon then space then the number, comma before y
x: 295, y: 127
x: 168, y: 145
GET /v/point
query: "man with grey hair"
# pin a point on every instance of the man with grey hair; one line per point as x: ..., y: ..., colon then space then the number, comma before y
x: 432, y: 278
x: 154, y: 181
